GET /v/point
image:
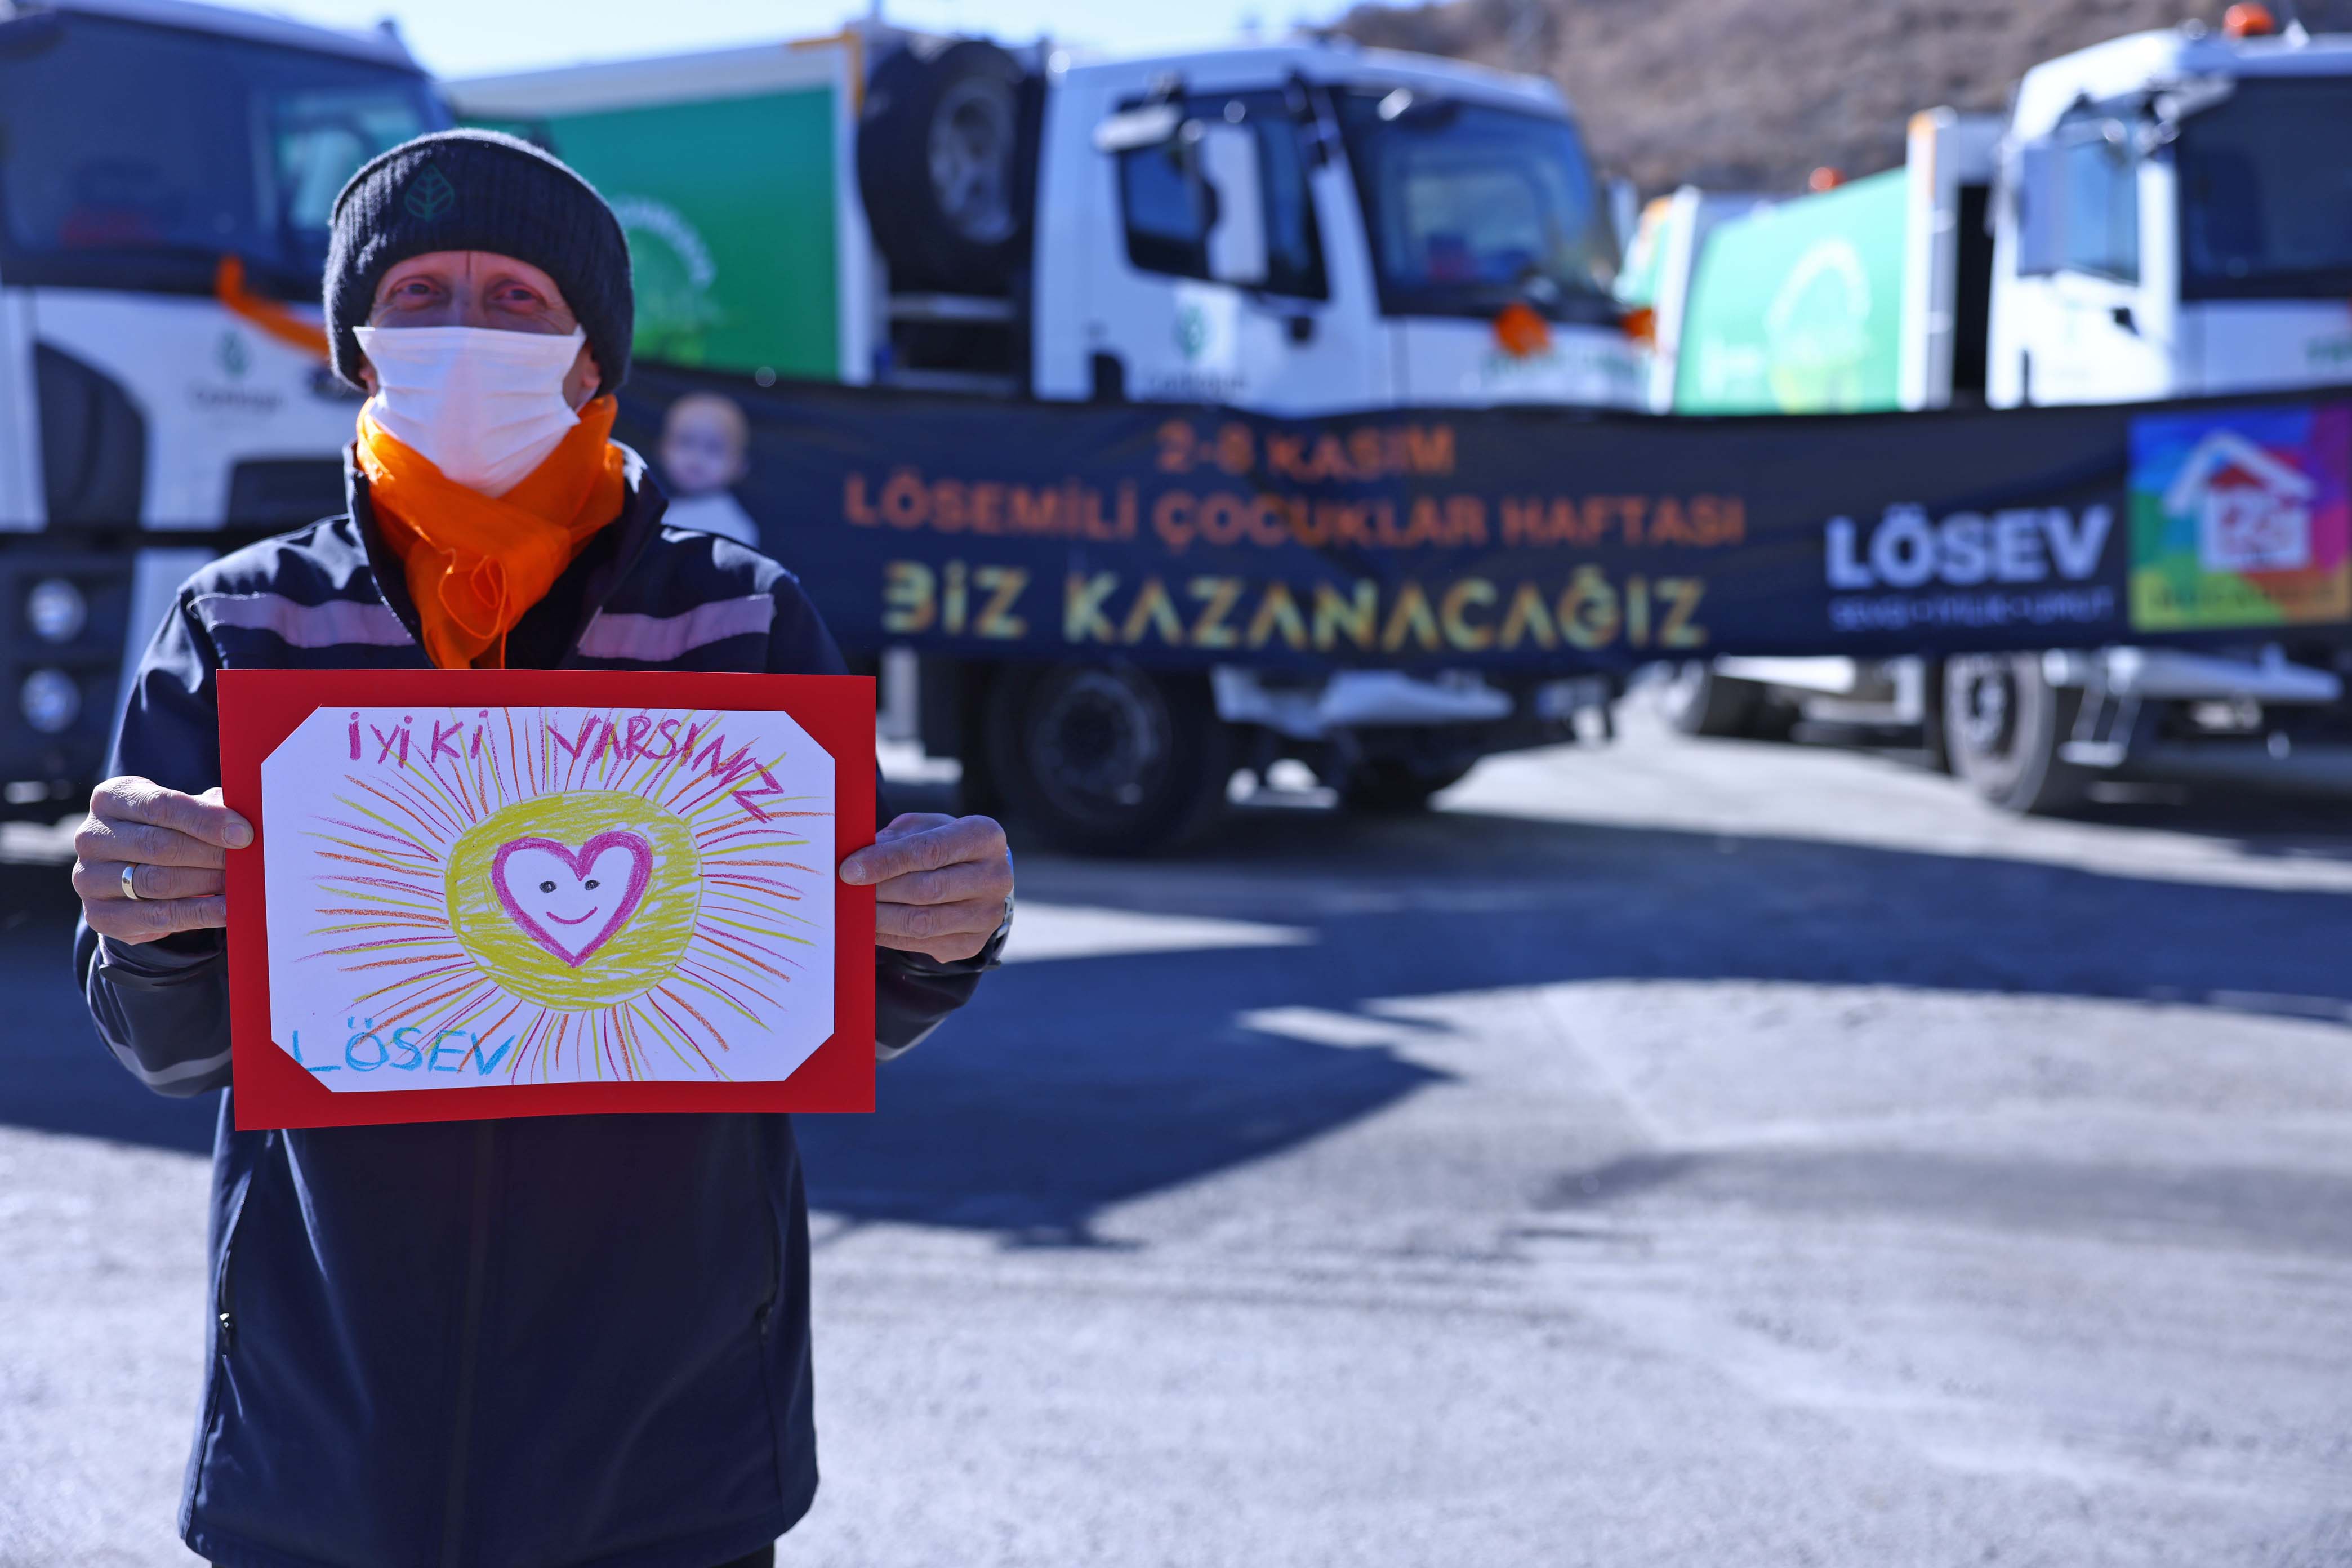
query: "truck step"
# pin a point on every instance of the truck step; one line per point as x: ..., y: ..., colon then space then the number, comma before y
x: 989, y: 384
x: 949, y: 308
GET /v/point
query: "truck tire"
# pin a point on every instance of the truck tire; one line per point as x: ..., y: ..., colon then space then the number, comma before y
x: 1698, y: 701
x: 1392, y: 786
x: 943, y: 159
x: 1935, y: 738
x: 2004, y: 723
x: 1107, y: 759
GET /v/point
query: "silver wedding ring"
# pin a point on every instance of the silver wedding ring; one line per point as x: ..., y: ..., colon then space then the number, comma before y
x: 129, y: 889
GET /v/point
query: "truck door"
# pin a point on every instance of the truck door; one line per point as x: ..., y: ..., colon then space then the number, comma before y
x: 139, y: 388
x: 20, y: 433
x: 2090, y: 322
x: 134, y: 160
x: 1223, y: 286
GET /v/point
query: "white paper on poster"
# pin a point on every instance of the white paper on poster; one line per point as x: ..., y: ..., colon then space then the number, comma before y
x: 549, y: 895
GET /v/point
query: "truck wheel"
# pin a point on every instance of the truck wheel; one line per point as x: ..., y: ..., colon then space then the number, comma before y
x: 1935, y: 738
x: 2004, y: 723
x: 942, y: 165
x: 1389, y: 786
x: 1108, y: 760
x: 1698, y: 701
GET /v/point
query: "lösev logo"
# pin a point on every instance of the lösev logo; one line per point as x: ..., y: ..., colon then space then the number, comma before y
x: 2241, y: 517
x: 1905, y: 549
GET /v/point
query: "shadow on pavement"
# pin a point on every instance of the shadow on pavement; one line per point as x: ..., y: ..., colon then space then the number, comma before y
x: 1076, y: 1083
x: 54, y: 1073
x: 1079, y: 1082
x: 2267, y: 827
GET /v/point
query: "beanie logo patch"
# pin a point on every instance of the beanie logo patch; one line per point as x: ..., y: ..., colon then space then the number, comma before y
x: 430, y: 196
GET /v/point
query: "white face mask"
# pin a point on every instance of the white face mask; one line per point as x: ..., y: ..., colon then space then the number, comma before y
x: 484, y: 406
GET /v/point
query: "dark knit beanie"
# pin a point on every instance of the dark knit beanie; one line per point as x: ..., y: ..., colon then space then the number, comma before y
x: 479, y: 190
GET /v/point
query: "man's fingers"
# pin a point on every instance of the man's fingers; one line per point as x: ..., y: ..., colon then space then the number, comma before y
x: 908, y: 822
x: 940, y: 884
x: 915, y: 924
x: 915, y: 842
x: 121, y: 920
x: 200, y: 816
x: 949, y: 884
x: 946, y: 949
x: 103, y: 879
x: 106, y: 839
x: 958, y: 840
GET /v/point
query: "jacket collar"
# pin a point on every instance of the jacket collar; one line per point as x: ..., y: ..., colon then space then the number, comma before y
x: 590, y: 582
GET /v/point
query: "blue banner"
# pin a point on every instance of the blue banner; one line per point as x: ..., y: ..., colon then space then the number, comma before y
x: 1528, y: 540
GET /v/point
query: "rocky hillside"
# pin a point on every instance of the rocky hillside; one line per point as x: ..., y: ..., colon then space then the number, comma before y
x: 1754, y: 94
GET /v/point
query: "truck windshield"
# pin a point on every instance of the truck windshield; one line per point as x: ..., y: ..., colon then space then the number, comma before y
x: 135, y: 156
x: 1472, y: 207
x: 2266, y: 193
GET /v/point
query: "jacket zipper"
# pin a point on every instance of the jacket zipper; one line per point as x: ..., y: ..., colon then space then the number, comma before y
x: 767, y: 1307
x: 225, y: 1291
x: 224, y: 1301
x: 764, y: 1317
x: 453, y: 1523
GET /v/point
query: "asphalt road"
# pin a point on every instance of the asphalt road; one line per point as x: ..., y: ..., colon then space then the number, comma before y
x: 1682, y: 1153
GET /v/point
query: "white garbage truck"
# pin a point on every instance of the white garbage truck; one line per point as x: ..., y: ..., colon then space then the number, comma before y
x: 166, y: 172
x: 1296, y: 230
x: 1288, y: 228
x: 2163, y: 216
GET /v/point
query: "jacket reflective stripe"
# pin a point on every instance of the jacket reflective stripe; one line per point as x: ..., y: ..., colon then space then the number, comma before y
x: 305, y: 626
x: 657, y: 639
x: 178, y: 1072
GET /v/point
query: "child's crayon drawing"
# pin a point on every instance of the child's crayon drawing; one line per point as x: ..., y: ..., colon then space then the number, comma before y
x: 549, y: 895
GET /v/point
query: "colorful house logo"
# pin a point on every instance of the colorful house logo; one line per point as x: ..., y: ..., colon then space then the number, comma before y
x: 2241, y: 519
x: 2252, y: 511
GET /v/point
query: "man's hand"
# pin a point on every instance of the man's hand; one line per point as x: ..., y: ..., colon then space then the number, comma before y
x: 939, y: 883
x: 176, y: 847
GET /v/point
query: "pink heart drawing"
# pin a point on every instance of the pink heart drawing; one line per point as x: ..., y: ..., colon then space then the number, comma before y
x: 559, y: 896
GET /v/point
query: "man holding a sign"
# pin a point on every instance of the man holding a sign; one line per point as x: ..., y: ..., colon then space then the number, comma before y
x: 450, y: 1323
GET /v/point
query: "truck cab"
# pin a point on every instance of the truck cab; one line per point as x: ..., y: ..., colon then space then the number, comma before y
x: 2177, y: 221
x: 1305, y: 228
x: 166, y: 174
x: 1300, y: 228
x: 2162, y: 216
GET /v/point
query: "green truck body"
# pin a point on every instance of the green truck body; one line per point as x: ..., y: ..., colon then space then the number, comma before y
x: 740, y: 260
x: 1798, y: 309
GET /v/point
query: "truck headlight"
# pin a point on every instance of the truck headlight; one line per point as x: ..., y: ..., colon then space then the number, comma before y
x: 56, y: 610
x: 50, y: 700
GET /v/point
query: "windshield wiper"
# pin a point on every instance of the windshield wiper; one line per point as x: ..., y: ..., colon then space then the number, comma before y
x: 2183, y: 99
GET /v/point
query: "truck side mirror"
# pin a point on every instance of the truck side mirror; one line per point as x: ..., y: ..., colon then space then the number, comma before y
x: 1236, y: 238
x: 1624, y: 212
x: 2040, y: 209
x: 1152, y: 125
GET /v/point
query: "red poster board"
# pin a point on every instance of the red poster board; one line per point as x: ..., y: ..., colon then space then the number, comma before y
x: 439, y: 849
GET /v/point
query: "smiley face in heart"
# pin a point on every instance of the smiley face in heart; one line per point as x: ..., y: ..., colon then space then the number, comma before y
x: 576, y: 901
x: 572, y: 901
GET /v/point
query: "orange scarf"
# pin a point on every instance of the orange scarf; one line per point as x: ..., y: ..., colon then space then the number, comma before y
x: 476, y: 563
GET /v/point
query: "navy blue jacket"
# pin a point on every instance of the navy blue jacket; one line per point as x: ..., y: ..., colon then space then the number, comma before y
x: 566, y: 1341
